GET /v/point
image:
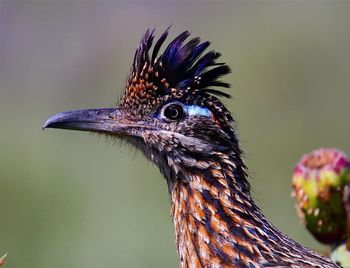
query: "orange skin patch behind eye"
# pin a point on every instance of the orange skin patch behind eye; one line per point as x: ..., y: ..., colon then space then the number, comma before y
x: 216, y: 120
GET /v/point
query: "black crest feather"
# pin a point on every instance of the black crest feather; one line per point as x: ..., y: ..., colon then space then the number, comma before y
x: 182, y: 64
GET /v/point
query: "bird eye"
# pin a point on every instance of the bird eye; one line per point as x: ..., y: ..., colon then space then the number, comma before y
x: 173, y: 111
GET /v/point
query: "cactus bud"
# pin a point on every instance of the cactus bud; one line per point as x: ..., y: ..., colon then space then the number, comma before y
x: 318, y: 184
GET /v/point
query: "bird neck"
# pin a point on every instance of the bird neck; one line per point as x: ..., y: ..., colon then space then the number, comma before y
x: 217, y: 224
x: 214, y: 220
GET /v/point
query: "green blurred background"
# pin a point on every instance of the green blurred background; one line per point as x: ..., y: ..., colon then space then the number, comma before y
x: 70, y: 199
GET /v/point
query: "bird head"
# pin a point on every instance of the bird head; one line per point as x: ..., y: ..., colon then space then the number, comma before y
x: 170, y: 108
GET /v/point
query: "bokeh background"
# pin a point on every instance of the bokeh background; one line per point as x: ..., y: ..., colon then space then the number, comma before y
x: 70, y: 199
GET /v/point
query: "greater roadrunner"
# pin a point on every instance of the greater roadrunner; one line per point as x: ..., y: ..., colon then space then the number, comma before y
x: 171, y: 111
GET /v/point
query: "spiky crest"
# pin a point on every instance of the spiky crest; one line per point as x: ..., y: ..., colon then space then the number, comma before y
x: 181, y: 72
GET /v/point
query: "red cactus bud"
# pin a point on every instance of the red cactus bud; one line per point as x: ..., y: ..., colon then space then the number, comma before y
x: 318, y: 184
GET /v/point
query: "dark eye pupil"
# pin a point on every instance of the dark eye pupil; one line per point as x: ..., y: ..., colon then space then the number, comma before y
x: 174, y: 112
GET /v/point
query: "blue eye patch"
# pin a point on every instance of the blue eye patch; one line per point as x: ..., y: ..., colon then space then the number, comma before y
x: 192, y: 110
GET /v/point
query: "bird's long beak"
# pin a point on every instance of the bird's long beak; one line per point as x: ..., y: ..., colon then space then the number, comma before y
x: 95, y: 120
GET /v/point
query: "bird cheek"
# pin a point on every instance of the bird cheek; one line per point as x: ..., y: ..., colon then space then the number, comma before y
x: 150, y: 138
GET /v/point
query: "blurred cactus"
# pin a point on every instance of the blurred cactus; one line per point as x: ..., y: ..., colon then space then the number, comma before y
x: 2, y: 259
x: 318, y: 183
